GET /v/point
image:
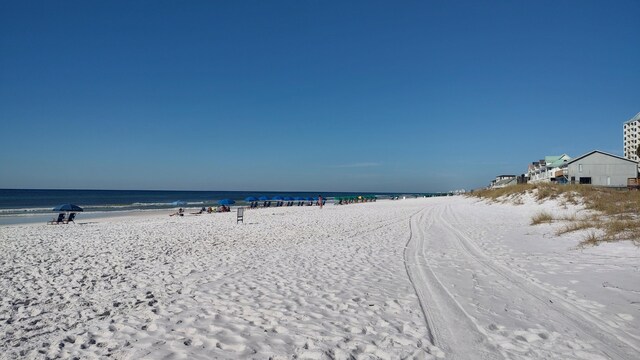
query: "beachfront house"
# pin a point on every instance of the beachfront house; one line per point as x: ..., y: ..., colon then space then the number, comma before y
x: 550, y: 169
x: 503, y: 181
x: 601, y: 169
x: 534, y: 170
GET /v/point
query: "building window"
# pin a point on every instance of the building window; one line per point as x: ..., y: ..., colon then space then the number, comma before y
x: 585, y: 180
x: 579, y: 167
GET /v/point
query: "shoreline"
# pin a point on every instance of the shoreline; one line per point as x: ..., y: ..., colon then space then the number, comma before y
x: 35, y: 219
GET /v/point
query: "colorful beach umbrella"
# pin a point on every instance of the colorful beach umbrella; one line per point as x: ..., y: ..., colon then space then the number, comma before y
x: 68, y: 207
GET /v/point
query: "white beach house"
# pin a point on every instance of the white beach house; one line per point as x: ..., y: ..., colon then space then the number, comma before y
x: 601, y: 169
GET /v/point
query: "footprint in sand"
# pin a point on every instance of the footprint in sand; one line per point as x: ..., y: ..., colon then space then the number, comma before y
x: 231, y: 347
x: 527, y: 336
x: 626, y: 317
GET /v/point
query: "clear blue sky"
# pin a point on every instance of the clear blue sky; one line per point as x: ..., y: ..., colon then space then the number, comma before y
x: 308, y: 95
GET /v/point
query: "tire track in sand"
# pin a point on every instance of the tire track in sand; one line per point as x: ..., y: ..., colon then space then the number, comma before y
x: 450, y: 327
x: 610, y: 342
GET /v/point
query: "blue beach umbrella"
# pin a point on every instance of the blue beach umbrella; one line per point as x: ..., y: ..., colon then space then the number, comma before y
x: 288, y: 198
x: 298, y: 198
x: 263, y: 198
x: 67, y: 207
x: 226, y: 202
x: 251, y: 198
x: 277, y: 198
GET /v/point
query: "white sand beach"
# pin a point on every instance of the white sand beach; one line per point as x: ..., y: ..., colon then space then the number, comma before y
x: 435, y: 278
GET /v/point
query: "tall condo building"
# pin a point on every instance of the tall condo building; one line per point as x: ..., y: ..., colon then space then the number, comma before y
x: 632, y: 138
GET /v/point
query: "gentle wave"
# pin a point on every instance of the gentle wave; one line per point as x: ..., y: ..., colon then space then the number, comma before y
x: 103, y: 208
x: 27, y: 210
x: 132, y: 206
x: 41, y: 202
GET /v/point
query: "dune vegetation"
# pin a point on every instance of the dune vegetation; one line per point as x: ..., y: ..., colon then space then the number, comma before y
x: 615, y: 213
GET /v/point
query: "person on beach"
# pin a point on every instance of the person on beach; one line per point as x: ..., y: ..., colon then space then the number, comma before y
x: 180, y: 212
x: 320, y: 201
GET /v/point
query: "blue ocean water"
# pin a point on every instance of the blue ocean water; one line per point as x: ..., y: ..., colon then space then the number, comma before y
x: 17, y: 202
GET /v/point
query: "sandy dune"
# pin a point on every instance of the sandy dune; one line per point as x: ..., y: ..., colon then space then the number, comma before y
x: 423, y: 278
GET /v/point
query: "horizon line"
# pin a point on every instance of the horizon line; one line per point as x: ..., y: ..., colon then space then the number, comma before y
x: 265, y: 191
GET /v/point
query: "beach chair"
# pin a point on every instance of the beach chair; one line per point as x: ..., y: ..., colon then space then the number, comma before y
x: 58, y: 220
x: 240, y: 215
x: 72, y: 216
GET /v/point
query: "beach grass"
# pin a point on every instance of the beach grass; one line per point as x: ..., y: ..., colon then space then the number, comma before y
x: 502, y: 193
x: 541, y: 217
x: 614, y: 213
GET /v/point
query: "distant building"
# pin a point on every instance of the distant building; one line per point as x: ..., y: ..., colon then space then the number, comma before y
x: 503, y: 181
x: 632, y: 138
x: 550, y: 169
x: 601, y: 169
